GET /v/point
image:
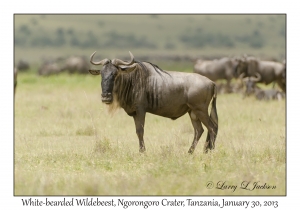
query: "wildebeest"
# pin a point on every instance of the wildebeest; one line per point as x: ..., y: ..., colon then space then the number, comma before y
x: 76, y: 64
x: 270, y: 94
x: 49, y: 68
x: 270, y: 71
x: 140, y: 87
x: 260, y: 94
x: 15, y: 79
x: 236, y: 87
x: 22, y: 65
x: 233, y: 88
x: 224, y: 68
x: 250, y: 84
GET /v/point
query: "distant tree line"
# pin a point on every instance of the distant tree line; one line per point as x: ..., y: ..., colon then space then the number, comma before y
x: 201, y: 39
x: 26, y: 37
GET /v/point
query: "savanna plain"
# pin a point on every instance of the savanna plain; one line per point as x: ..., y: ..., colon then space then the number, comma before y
x: 66, y: 143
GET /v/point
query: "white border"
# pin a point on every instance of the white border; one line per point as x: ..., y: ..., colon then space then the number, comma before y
x: 153, y: 6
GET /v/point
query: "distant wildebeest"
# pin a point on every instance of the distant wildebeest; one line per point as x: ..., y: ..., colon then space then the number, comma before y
x: 260, y: 94
x: 270, y: 94
x: 140, y: 87
x: 224, y: 68
x: 22, y: 65
x: 269, y: 71
x: 250, y: 84
x: 15, y: 79
x: 233, y: 88
x: 236, y: 87
x: 49, y: 68
x: 76, y: 64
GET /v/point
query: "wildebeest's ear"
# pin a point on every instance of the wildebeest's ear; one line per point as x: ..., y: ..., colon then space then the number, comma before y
x: 123, y: 67
x: 127, y: 69
x: 94, y: 72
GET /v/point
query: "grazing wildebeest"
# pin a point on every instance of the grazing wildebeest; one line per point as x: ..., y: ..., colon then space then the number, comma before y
x: 140, y: 87
x: 270, y: 71
x: 224, y: 68
x: 260, y: 94
x: 76, y: 64
x: 233, y: 88
x: 270, y: 94
x: 49, y: 68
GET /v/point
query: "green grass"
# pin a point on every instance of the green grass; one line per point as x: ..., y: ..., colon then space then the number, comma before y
x: 66, y: 143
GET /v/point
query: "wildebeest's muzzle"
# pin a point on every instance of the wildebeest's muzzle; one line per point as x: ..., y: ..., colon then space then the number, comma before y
x: 106, y: 98
x: 107, y: 83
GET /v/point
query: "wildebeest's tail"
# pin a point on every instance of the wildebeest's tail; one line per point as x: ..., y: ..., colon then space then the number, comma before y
x: 211, y: 136
x: 213, y: 112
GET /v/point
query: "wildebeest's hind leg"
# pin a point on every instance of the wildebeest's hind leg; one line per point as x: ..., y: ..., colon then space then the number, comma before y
x: 139, y: 120
x: 211, y: 130
x: 198, y: 130
x: 210, y: 138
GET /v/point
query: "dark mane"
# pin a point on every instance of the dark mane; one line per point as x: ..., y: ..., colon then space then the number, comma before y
x: 129, y: 86
x: 156, y: 68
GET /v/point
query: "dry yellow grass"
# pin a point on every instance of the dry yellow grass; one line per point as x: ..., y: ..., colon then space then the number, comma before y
x: 67, y: 144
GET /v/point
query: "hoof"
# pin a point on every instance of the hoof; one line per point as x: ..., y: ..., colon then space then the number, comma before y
x: 191, y: 151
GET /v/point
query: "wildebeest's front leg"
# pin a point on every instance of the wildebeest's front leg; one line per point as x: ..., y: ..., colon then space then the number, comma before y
x: 228, y: 86
x: 139, y: 120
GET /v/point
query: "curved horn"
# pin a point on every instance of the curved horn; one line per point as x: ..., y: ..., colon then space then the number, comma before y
x: 102, y: 62
x: 117, y: 62
x: 257, y: 78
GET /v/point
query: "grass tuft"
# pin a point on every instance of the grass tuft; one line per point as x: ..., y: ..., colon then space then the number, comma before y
x: 86, y: 131
x: 102, y: 146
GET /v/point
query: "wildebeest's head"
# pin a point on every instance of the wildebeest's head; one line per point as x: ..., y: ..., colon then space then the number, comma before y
x: 250, y: 83
x: 240, y: 66
x: 108, y: 73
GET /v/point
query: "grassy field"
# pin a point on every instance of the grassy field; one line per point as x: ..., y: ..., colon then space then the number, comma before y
x: 67, y: 144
